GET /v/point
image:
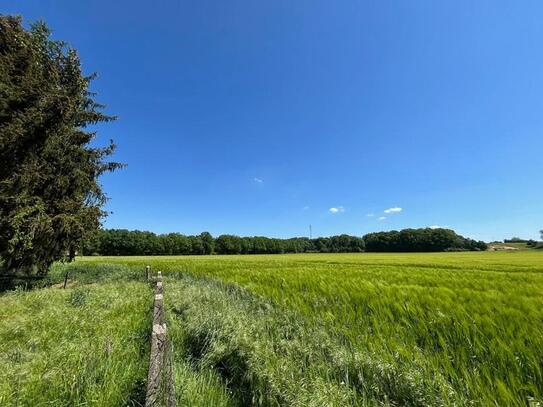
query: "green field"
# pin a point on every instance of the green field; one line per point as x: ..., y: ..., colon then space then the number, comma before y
x: 300, y: 330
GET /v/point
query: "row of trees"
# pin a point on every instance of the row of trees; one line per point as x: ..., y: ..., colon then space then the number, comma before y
x: 519, y: 240
x: 420, y: 240
x: 121, y: 242
x: 529, y: 242
x: 230, y: 244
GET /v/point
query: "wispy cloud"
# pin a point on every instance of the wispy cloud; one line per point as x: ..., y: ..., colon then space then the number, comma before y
x: 396, y: 209
x: 438, y: 227
x: 338, y: 209
x: 382, y: 217
x: 306, y: 208
x: 370, y: 215
x: 258, y: 180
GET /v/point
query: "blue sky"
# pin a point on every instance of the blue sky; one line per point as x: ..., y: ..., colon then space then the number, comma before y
x: 258, y: 118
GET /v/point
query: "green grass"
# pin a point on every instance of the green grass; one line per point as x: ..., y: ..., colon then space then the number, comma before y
x: 300, y: 330
x: 419, y: 329
x: 519, y: 246
x: 83, y: 346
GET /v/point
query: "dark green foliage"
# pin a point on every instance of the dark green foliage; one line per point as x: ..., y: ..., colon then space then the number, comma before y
x: 196, y: 245
x: 208, y: 242
x: 229, y: 244
x: 49, y: 195
x: 122, y: 242
x: 531, y: 243
x: 420, y: 240
x: 515, y: 240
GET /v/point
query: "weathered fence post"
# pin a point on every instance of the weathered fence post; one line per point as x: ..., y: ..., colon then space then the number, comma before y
x: 160, y: 392
x: 147, y: 272
x: 66, y: 279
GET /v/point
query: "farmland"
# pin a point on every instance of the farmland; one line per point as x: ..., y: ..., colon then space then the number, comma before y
x: 311, y: 329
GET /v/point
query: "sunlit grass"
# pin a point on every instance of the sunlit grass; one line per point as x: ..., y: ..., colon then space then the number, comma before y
x: 299, y: 330
x: 83, y: 346
x: 471, y: 324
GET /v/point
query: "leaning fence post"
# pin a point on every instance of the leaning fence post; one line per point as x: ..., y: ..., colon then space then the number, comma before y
x: 160, y: 381
x: 66, y: 279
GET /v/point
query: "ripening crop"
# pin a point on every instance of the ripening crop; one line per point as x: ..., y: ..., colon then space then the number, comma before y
x: 451, y: 329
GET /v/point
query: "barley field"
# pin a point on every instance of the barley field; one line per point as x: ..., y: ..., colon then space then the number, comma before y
x: 450, y: 329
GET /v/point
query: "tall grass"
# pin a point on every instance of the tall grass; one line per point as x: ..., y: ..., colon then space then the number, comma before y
x: 266, y: 355
x: 457, y: 329
x: 83, y: 346
x: 452, y: 328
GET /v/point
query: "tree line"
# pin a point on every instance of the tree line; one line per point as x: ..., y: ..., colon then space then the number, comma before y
x: 420, y: 240
x: 122, y: 242
x: 528, y: 242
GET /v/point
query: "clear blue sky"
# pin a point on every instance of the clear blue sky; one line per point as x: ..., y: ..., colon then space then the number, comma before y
x: 258, y: 117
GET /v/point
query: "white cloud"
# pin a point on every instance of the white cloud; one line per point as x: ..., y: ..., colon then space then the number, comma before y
x: 393, y: 210
x: 258, y: 180
x: 336, y: 209
x: 370, y: 215
x: 306, y: 208
x: 382, y: 217
x: 438, y: 227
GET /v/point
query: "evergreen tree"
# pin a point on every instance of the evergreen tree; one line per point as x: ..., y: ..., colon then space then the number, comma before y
x: 50, y: 199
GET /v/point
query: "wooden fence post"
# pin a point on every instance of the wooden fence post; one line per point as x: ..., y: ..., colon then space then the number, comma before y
x: 160, y: 383
x: 66, y: 279
x: 147, y: 272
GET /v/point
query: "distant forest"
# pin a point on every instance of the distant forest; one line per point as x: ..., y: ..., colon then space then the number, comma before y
x: 122, y: 242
